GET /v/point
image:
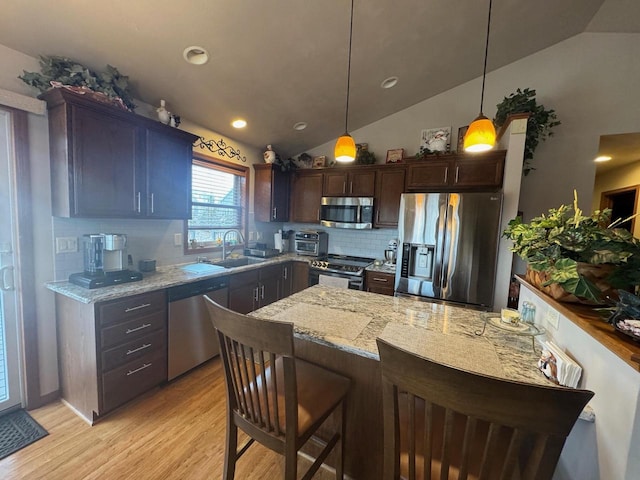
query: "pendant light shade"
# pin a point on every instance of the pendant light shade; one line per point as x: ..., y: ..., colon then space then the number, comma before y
x: 345, y: 150
x: 481, y: 134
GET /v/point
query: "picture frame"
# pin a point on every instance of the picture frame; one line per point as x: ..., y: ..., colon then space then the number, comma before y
x: 462, y: 131
x: 319, y: 161
x: 395, y: 155
x: 436, y: 139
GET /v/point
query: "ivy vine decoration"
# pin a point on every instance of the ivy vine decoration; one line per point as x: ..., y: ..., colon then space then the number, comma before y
x: 539, y: 126
x: 62, y: 71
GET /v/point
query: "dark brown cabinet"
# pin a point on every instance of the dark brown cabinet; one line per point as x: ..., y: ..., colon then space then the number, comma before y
x: 107, y: 162
x: 256, y: 288
x: 349, y: 183
x: 110, y: 352
x: 300, y: 276
x: 306, y: 194
x: 380, y: 282
x: 456, y: 172
x: 271, y: 195
x: 389, y: 189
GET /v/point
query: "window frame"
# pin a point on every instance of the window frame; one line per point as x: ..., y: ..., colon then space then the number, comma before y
x: 223, y: 166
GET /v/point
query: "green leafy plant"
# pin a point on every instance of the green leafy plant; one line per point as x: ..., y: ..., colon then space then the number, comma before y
x: 563, y: 240
x: 364, y: 156
x: 68, y: 72
x: 539, y: 125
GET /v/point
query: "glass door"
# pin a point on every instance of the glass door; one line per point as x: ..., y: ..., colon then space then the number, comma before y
x: 10, y: 394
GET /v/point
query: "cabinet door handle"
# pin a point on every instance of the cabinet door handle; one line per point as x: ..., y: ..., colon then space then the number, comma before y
x: 144, y: 305
x: 144, y: 365
x: 255, y: 294
x: 378, y: 279
x: 275, y: 212
x: 5, y: 286
x: 457, y: 171
x: 152, y: 203
x: 350, y: 187
x: 344, y: 187
x: 446, y: 174
x: 141, y: 327
x: 378, y: 215
x: 262, y: 292
x: 144, y: 345
x: 138, y: 201
x: 285, y: 272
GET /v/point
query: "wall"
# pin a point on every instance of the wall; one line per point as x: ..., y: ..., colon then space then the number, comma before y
x: 624, y: 176
x: 590, y: 80
x: 608, y: 448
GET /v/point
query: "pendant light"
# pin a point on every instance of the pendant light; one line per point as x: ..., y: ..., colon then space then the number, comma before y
x: 481, y: 134
x: 345, y: 150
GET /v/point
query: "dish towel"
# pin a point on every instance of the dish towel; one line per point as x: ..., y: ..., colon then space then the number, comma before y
x: 333, y: 281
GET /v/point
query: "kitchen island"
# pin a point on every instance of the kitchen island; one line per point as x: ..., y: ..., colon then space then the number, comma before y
x: 337, y: 328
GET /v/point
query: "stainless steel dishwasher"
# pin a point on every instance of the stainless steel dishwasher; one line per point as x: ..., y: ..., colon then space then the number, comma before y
x: 192, y: 339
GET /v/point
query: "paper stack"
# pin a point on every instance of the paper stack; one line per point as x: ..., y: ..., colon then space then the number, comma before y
x: 558, y: 366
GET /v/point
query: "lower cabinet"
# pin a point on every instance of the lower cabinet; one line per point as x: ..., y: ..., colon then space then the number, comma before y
x: 380, y: 282
x: 300, y: 276
x: 110, y: 352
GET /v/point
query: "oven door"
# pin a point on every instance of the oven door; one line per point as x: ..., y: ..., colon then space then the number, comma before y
x: 306, y: 247
x: 355, y: 282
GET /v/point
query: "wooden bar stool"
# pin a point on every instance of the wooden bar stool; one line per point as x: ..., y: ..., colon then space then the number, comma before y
x: 444, y: 423
x: 275, y: 398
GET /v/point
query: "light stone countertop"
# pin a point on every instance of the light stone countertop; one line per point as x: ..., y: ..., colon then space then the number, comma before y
x: 163, y: 277
x: 351, y: 320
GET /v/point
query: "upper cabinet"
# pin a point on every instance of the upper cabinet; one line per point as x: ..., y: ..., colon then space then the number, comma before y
x: 306, y: 194
x: 389, y: 189
x: 271, y: 197
x: 456, y: 171
x: 349, y: 183
x: 107, y: 162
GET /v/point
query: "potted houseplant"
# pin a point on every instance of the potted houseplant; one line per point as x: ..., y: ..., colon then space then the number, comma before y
x: 574, y: 257
x: 62, y: 72
x: 539, y: 125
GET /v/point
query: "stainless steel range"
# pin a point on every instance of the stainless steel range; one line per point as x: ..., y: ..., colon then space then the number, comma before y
x: 339, y: 270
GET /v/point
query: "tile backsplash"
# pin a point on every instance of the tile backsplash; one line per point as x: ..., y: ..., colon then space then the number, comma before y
x: 155, y: 239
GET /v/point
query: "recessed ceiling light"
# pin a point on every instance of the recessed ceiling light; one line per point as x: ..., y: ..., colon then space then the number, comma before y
x: 300, y: 126
x: 239, y: 123
x: 389, y: 82
x: 602, y: 158
x: 195, y: 55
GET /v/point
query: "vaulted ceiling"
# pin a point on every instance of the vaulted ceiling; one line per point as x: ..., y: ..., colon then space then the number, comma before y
x: 279, y: 62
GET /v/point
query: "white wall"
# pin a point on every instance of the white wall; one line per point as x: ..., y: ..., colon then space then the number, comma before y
x: 590, y: 80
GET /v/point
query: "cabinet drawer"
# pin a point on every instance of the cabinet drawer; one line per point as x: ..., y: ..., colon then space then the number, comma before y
x: 133, y: 329
x: 378, y: 282
x: 119, y: 310
x: 128, y: 381
x: 133, y: 350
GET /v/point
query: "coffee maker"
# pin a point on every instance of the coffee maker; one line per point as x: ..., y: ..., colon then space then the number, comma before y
x: 105, y: 261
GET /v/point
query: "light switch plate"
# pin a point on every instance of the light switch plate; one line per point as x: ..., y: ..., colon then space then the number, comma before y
x: 177, y: 239
x: 552, y: 317
x: 66, y: 244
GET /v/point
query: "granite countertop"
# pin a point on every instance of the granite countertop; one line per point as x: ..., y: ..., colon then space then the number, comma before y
x: 351, y: 320
x: 163, y: 277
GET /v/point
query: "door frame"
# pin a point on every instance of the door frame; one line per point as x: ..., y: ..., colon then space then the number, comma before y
x: 606, y: 201
x: 24, y: 264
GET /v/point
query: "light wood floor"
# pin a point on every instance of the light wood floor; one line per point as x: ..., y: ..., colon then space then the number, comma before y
x: 175, y: 432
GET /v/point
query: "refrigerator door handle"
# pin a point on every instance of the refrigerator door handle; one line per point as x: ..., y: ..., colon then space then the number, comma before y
x: 438, y: 266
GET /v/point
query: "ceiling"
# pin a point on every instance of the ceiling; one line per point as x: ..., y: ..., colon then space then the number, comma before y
x: 280, y: 62
x: 623, y: 148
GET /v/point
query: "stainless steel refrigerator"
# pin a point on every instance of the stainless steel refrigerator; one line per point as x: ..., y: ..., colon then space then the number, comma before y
x: 448, y: 244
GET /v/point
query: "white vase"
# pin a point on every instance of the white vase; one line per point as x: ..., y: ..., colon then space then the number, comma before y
x: 163, y: 114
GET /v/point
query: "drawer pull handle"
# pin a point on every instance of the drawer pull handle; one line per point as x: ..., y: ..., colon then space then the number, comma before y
x: 144, y: 305
x: 131, y: 330
x: 144, y: 365
x: 145, y: 345
x: 378, y: 279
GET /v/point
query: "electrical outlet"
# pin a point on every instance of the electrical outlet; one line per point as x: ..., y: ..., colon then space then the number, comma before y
x: 251, y: 236
x: 177, y: 239
x: 258, y: 236
x: 552, y: 317
x: 66, y: 244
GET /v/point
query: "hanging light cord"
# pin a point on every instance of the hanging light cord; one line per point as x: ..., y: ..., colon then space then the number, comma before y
x: 346, y: 115
x: 486, y: 53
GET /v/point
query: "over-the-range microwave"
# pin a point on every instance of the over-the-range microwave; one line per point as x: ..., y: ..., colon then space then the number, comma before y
x: 347, y: 212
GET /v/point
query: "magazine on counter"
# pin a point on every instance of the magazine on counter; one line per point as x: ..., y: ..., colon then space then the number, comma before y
x: 558, y: 367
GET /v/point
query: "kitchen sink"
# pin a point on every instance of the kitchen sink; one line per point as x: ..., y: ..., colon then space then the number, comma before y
x: 239, y: 262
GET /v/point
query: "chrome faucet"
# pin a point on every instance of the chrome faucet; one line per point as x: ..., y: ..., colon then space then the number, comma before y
x: 224, y: 241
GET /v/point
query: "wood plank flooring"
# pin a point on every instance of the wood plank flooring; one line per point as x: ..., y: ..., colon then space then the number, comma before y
x: 174, y: 432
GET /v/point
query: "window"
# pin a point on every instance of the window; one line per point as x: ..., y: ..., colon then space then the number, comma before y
x: 218, y: 204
